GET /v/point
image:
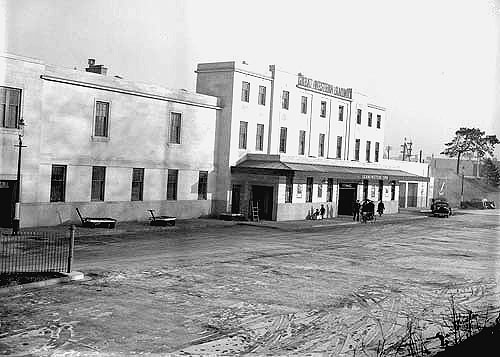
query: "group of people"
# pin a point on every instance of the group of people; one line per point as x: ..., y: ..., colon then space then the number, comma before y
x: 366, y: 209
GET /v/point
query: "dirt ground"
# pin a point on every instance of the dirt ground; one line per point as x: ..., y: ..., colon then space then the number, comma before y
x: 342, y: 291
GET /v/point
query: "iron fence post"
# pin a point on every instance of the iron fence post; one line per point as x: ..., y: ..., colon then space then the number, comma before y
x: 71, y: 246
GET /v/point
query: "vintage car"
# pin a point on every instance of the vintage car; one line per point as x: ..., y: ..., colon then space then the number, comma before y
x: 441, y: 208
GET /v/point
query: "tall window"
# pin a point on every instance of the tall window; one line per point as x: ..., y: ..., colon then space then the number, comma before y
x: 259, y: 138
x: 380, y: 189
x: 202, y: 185
x: 356, y: 149
x: 379, y: 120
x: 137, y: 184
x: 285, y: 100
x: 302, y: 142
x: 329, y: 190
x: 172, y: 184
x: 10, y: 102
x: 243, y: 135
x: 369, y: 119
x: 175, y: 128
x: 283, y: 131
x: 393, y: 190
x: 309, y: 189
x: 289, y: 189
x: 365, y: 189
x: 377, y: 146
x: 58, y: 183
x: 368, y: 144
x: 98, y: 182
x: 321, y: 148
x: 341, y: 112
x: 339, y: 147
x: 245, y: 91
x: 303, y: 105
x: 101, y: 119
x: 358, y: 117
x: 320, y: 189
x: 262, y: 95
x: 323, y: 109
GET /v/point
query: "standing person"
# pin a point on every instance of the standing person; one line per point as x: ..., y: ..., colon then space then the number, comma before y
x: 355, y: 210
x: 322, y: 212
x: 380, y: 208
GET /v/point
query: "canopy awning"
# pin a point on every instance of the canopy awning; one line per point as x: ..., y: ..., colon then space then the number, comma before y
x: 282, y: 168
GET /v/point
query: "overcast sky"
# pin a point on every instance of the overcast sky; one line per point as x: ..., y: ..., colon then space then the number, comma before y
x: 433, y: 63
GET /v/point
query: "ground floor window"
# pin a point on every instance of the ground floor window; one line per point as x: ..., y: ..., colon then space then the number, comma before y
x: 202, y: 185
x: 172, y: 184
x: 98, y: 183
x: 137, y: 184
x: 58, y: 183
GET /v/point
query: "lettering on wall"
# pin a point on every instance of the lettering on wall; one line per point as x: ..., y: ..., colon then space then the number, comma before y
x: 374, y: 177
x: 324, y: 87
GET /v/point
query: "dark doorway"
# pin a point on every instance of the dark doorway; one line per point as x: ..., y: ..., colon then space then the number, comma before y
x: 347, y: 194
x: 412, y: 195
x: 402, y: 195
x: 235, y: 199
x: 263, y: 197
x: 6, y: 203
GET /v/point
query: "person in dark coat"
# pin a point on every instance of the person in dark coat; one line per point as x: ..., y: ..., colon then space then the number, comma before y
x: 355, y: 210
x: 380, y: 208
x: 322, y: 211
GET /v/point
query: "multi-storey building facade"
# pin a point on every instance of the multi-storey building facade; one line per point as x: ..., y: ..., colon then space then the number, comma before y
x: 288, y: 144
x: 111, y: 147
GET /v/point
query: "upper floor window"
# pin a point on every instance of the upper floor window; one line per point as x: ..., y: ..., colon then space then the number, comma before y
x: 369, y: 119
x: 243, y: 135
x: 262, y: 95
x: 302, y: 142
x: 341, y: 112
x: 245, y: 91
x: 101, y: 119
x: 379, y: 120
x: 323, y: 109
x: 283, y: 139
x: 175, y: 128
x: 321, y: 148
x: 339, y: 147
x: 137, y: 184
x: 356, y: 149
x: 58, y: 183
x: 285, y: 100
x: 259, y: 138
x: 358, y: 117
x: 377, y: 148
x: 368, y: 144
x: 10, y: 103
x: 202, y: 185
x: 303, y: 105
x: 98, y: 182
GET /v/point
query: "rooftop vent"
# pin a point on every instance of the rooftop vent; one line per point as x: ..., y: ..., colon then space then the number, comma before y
x: 96, y: 68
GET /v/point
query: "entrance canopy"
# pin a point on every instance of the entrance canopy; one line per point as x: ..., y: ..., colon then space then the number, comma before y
x: 283, y: 168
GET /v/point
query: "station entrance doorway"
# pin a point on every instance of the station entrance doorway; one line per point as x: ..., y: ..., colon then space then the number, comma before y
x: 347, y: 194
x: 262, y: 196
x: 6, y: 203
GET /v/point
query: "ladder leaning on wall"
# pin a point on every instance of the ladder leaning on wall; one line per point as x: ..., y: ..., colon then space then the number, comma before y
x: 255, y: 212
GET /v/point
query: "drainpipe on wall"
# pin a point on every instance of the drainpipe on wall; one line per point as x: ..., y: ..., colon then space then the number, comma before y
x: 329, y: 130
x: 272, y: 68
x: 348, y: 132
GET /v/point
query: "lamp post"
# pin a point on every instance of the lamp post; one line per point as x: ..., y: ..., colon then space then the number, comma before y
x: 16, y: 220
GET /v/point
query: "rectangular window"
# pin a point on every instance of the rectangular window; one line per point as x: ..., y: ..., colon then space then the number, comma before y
x: 283, y: 139
x: 393, y: 190
x: 368, y: 144
x: 10, y: 103
x: 379, y: 120
x: 356, y: 149
x: 365, y: 189
x: 58, y: 183
x: 321, y: 148
x: 303, y: 105
x: 358, y: 117
x: 202, y: 185
x: 245, y: 92
x: 329, y: 190
x: 262, y: 95
x: 285, y: 99
x: 101, y: 119
x: 339, y: 147
x: 98, y: 182
x: 289, y: 189
x: 341, y: 113
x: 320, y: 189
x: 377, y: 147
x: 259, y: 138
x: 380, y: 189
x: 309, y: 189
x: 175, y: 128
x: 243, y: 135
x: 323, y: 109
x: 137, y: 184
x: 172, y: 184
x: 369, y: 119
x: 302, y: 142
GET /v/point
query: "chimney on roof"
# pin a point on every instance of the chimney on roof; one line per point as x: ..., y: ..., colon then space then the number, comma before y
x: 96, y: 68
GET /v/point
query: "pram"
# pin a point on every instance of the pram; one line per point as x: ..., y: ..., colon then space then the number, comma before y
x: 368, y: 216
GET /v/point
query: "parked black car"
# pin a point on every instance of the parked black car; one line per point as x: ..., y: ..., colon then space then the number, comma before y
x: 441, y: 208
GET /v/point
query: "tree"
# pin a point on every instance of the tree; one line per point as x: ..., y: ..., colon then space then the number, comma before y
x: 470, y: 141
x: 491, y: 171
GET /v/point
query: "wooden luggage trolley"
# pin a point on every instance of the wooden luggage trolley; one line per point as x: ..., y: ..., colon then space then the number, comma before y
x: 94, y: 222
x: 161, y: 220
